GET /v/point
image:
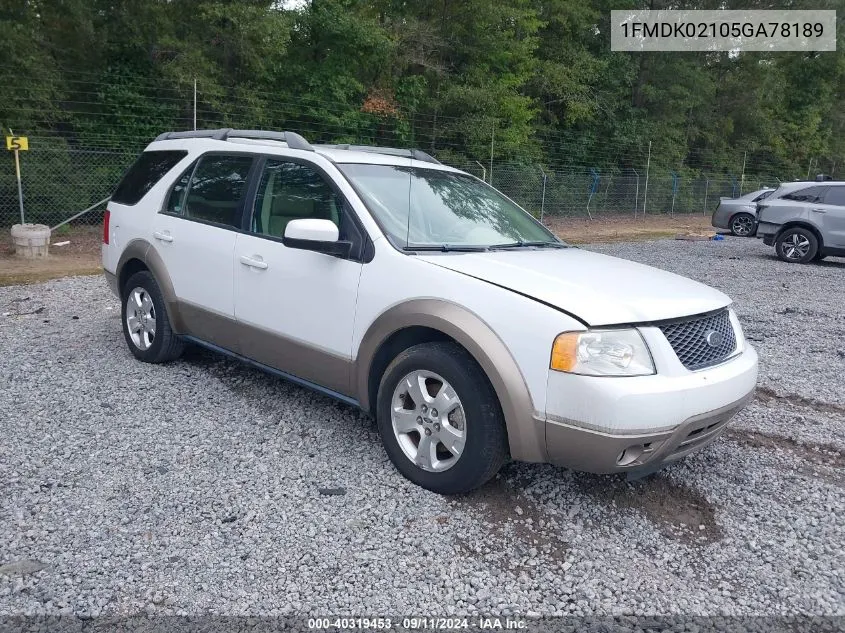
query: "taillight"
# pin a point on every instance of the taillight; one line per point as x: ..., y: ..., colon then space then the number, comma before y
x: 106, y: 219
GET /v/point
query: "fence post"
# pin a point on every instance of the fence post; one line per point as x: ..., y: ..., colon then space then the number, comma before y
x: 543, y: 198
x: 706, y: 186
x: 636, y: 192
x: 594, y: 186
x: 675, y: 180
x: 492, y: 140
x: 483, y: 171
x: 647, y: 165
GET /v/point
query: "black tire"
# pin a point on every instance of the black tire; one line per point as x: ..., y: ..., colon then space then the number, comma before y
x: 785, y: 245
x: 165, y: 345
x: 740, y: 225
x: 486, y: 445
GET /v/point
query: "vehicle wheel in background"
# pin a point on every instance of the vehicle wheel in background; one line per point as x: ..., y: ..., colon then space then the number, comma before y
x: 146, y: 327
x: 797, y: 245
x: 742, y: 225
x: 440, y: 420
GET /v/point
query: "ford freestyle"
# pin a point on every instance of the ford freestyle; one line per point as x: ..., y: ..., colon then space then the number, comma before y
x: 424, y: 296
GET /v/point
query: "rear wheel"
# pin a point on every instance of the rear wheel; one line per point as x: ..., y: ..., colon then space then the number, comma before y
x: 440, y: 420
x: 797, y: 245
x: 742, y: 225
x: 146, y: 327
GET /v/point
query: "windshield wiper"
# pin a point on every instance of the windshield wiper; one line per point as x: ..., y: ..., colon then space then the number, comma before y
x: 445, y: 248
x: 521, y: 244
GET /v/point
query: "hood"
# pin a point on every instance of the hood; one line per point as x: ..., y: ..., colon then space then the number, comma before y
x: 598, y: 289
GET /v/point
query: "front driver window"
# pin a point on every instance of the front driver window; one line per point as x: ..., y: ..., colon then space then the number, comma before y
x: 291, y: 191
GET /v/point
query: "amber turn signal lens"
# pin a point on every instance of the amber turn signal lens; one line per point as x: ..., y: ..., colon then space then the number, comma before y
x: 565, y: 351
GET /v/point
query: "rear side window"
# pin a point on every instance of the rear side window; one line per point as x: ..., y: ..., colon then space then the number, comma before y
x: 217, y: 189
x: 144, y: 174
x: 835, y: 195
x: 810, y: 194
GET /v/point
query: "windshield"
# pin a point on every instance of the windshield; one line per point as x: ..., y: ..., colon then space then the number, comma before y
x: 430, y: 208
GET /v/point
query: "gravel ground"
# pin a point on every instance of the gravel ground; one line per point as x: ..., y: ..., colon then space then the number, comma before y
x: 200, y: 486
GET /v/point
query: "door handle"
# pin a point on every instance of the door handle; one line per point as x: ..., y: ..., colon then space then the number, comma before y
x: 164, y: 236
x: 252, y: 262
x: 819, y: 210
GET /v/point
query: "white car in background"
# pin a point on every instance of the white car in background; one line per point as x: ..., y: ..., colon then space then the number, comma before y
x: 421, y: 295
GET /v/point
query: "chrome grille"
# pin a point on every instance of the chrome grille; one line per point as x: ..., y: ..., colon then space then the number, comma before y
x: 689, y: 339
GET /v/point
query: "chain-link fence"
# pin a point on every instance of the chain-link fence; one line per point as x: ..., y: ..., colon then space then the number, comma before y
x: 588, y: 191
x: 58, y: 182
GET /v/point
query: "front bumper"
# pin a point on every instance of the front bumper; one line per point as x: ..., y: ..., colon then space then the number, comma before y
x: 607, y: 425
x: 605, y: 453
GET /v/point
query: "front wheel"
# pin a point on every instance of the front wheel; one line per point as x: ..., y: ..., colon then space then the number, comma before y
x: 797, y: 245
x: 742, y: 225
x: 440, y: 420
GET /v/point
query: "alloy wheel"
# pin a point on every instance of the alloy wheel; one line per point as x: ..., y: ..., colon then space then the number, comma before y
x: 428, y: 421
x: 796, y: 247
x: 742, y: 225
x: 140, y: 318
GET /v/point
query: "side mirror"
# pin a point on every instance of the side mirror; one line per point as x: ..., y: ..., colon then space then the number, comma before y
x: 320, y: 236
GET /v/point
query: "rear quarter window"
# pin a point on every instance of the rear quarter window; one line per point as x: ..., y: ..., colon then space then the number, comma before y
x: 144, y: 174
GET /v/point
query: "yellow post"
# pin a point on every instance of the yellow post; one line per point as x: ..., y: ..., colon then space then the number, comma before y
x: 16, y: 144
x: 20, y: 189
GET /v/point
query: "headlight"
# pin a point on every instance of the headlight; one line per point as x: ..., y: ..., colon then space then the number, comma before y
x: 602, y: 353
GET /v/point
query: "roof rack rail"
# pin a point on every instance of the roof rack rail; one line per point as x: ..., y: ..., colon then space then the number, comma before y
x: 416, y: 154
x: 294, y: 140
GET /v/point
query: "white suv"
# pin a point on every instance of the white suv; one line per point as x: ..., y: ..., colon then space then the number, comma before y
x: 422, y: 295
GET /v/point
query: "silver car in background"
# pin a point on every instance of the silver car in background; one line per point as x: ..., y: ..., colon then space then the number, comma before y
x: 804, y: 221
x: 737, y: 214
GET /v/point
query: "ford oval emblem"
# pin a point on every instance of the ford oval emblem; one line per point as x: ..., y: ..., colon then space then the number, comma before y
x: 714, y: 338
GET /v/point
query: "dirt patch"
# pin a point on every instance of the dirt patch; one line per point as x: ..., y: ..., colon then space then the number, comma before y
x: 624, y: 228
x: 679, y: 512
x: 528, y: 535
x: 80, y: 257
x: 767, y: 395
x: 821, y: 461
